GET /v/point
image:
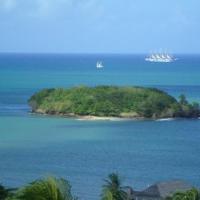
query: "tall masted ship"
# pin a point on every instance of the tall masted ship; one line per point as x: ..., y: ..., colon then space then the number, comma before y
x: 160, y: 57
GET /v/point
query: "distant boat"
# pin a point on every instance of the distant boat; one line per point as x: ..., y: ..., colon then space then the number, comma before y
x: 99, y: 65
x: 160, y: 57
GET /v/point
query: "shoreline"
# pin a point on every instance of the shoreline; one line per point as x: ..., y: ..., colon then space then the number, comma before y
x: 105, y: 118
x: 97, y: 118
x: 91, y: 117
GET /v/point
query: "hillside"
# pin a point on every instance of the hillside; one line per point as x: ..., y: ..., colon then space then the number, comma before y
x: 111, y: 101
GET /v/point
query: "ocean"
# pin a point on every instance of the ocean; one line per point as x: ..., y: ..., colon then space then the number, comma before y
x: 85, y: 152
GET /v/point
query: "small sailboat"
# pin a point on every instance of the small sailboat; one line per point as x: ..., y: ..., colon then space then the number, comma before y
x: 99, y: 65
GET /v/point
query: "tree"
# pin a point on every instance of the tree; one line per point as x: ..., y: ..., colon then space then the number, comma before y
x: 5, y: 193
x: 50, y: 188
x: 183, y: 100
x: 192, y: 194
x: 113, y: 189
x: 195, y: 108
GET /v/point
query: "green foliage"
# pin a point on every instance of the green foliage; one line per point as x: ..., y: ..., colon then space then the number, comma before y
x: 182, y: 100
x: 3, y: 192
x: 113, y: 189
x: 45, y: 189
x: 6, y: 193
x: 52, y: 188
x: 112, y: 101
x: 192, y: 194
x: 38, y: 97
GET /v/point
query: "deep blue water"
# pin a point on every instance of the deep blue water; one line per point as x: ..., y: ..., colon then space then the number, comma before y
x: 86, y: 152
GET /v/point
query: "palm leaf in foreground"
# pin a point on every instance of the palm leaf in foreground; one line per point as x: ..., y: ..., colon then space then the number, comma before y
x: 46, y: 189
x: 113, y: 190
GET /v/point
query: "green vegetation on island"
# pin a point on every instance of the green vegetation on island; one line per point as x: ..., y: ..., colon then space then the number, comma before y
x: 112, y: 101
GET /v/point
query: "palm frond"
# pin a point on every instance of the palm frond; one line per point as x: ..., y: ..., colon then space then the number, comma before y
x: 50, y: 188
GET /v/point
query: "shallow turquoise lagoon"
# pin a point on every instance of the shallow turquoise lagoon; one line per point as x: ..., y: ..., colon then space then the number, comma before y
x: 86, y: 151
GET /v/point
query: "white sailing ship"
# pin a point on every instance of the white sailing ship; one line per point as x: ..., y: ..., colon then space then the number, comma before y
x: 160, y: 57
x: 99, y: 65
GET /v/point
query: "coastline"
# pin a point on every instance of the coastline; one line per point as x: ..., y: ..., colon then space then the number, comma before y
x: 100, y: 118
x: 107, y: 118
x: 90, y: 117
x: 97, y: 118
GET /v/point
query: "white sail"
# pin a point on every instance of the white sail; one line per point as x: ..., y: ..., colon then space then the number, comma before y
x: 160, y: 57
x: 99, y: 64
x: 163, y: 56
x: 153, y: 56
x: 168, y: 56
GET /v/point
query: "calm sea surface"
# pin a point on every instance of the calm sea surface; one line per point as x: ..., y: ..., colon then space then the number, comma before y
x: 85, y: 152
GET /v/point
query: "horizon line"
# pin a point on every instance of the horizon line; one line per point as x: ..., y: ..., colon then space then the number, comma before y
x: 90, y: 53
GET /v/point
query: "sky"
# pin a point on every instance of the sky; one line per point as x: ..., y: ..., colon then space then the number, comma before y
x: 99, y: 26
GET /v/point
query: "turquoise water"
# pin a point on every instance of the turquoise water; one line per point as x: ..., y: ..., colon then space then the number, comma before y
x: 85, y: 152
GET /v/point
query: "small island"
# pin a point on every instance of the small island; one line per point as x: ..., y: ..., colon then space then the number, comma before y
x: 112, y: 101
